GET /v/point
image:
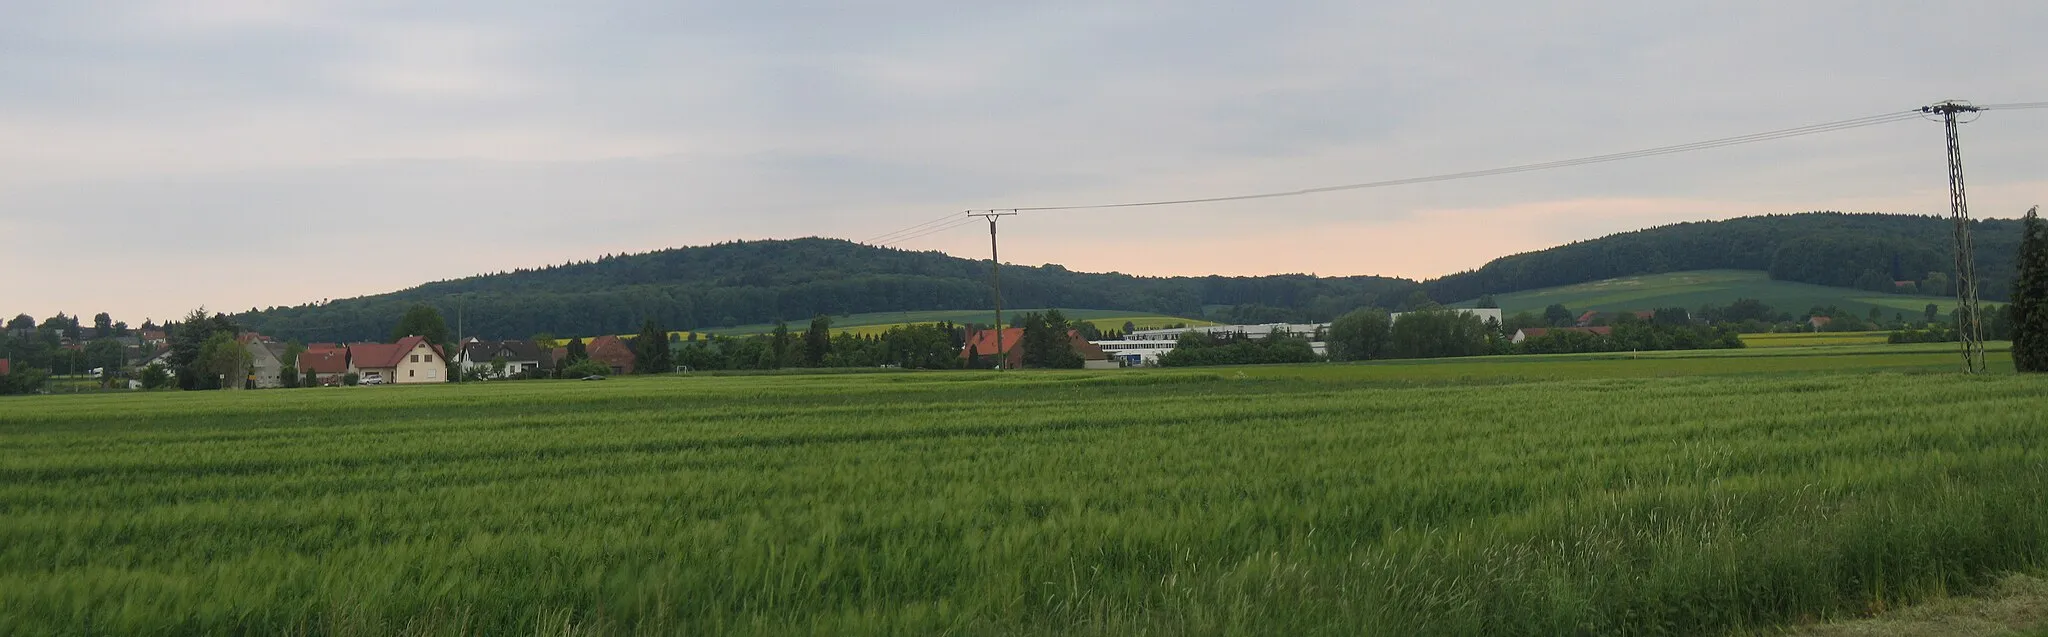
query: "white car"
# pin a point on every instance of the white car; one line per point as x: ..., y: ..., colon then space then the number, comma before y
x: 373, y: 380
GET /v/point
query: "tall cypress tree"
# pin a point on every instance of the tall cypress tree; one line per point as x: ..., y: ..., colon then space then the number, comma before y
x: 2029, y: 309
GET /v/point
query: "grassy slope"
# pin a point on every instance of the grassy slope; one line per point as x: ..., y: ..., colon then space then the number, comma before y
x: 1532, y: 495
x: 1719, y: 287
x: 877, y: 322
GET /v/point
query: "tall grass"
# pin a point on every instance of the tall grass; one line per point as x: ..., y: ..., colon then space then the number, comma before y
x: 1307, y: 500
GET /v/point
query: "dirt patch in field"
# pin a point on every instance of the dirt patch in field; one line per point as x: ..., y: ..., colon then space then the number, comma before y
x: 2018, y: 605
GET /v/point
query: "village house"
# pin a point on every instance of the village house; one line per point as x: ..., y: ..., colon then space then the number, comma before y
x: 519, y: 356
x: 610, y: 351
x: 266, y: 360
x: 1819, y: 322
x: 327, y: 361
x: 409, y: 361
x: 982, y: 345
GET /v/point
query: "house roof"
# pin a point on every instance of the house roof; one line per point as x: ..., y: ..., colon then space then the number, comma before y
x: 608, y: 348
x: 326, y: 361
x: 983, y: 342
x: 1533, y: 332
x: 4, y: 370
x: 380, y: 355
x: 1820, y: 320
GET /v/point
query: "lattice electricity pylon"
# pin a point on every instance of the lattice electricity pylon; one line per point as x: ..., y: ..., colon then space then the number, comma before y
x: 1969, y: 324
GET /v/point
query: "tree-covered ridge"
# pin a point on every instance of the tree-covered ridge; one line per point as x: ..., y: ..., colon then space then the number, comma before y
x: 1825, y: 248
x: 747, y: 282
x: 763, y: 281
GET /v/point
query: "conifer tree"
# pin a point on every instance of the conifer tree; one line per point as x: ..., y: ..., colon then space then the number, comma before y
x: 2029, y: 308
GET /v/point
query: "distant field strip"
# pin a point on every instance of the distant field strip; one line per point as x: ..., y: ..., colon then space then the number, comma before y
x: 1692, y: 289
x: 1587, y: 494
x: 1814, y: 339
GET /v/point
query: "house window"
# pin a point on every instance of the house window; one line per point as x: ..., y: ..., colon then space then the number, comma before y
x: 415, y: 358
x: 411, y: 372
x: 430, y: 358
x: 431, y: 373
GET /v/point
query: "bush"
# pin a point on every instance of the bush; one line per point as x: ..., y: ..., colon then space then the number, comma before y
x: 586, y: 368
x: 155, y: 376
x: 350, y: 379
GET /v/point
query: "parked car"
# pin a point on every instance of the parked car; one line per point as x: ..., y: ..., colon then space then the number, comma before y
x: 593, y: 377
x: 373, y: 380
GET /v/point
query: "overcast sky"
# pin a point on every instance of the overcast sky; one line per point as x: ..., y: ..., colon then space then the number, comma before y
x: 155, y: 157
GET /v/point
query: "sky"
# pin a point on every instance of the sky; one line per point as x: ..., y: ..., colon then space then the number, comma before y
x: 236, y: 154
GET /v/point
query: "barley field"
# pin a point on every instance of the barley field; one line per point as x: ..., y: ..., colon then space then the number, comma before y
x: 1568, y: 495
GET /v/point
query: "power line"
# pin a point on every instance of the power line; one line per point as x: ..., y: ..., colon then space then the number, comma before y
x: 958, y: 222
x: 887, y: 237
x: 1787, y: 133
x: 2010, y: 107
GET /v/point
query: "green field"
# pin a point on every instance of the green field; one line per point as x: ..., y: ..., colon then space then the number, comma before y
x: 1659, y: 493
x: 1810, y: 339
x: 878, y: 322
x: 1690, y: 290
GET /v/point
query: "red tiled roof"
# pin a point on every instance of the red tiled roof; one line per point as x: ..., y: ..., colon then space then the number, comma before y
x: 983, y: 342
x: 380, y: 355
x: 325, y: 361
x: 611, y: 351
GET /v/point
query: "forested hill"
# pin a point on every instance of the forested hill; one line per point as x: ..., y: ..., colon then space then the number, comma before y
x: 1825, y: 248
x: 761, y: 281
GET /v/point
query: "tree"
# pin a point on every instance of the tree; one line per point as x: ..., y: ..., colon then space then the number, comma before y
x: 155, y: 376
x: 102, y: 325
x: 2029, y: 308
x: 1046, y: 343
x: 1418, y: 300
x: 1932, y: 313
x: 778, y: 346
x: 1130, y: 327
x: 225, y: 360
x: 1936, y: 284
x: 107, y: 355
x: 1359, y: 335
x: 311, y: 379
x: 573, y: 353
x: 1437, y: 333
x: 651, y: 350
x: 1486, y: 302
x: 422, y: 320
x: 1559, y: 316
x: 818, y: 341
x: 188, y: 342
x: 22, y: 323
x: 585, y: 369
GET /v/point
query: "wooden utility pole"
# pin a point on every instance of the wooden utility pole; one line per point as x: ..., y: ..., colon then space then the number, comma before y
x: 995, y: 278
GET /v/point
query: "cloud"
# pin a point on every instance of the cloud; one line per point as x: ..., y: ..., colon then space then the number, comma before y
x: 303, y: 131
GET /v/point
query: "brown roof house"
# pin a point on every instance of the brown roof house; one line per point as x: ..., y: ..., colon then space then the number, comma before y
x: 981, y: 345
x: 327, y: 361
x: 609, y: 350
x: 409, y: 361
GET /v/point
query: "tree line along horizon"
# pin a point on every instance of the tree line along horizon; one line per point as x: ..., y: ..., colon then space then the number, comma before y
x: 757, y: 282
x: 203, y: 346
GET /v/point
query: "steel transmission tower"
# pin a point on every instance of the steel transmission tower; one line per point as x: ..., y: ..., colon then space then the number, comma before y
x: 1969, y: 325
